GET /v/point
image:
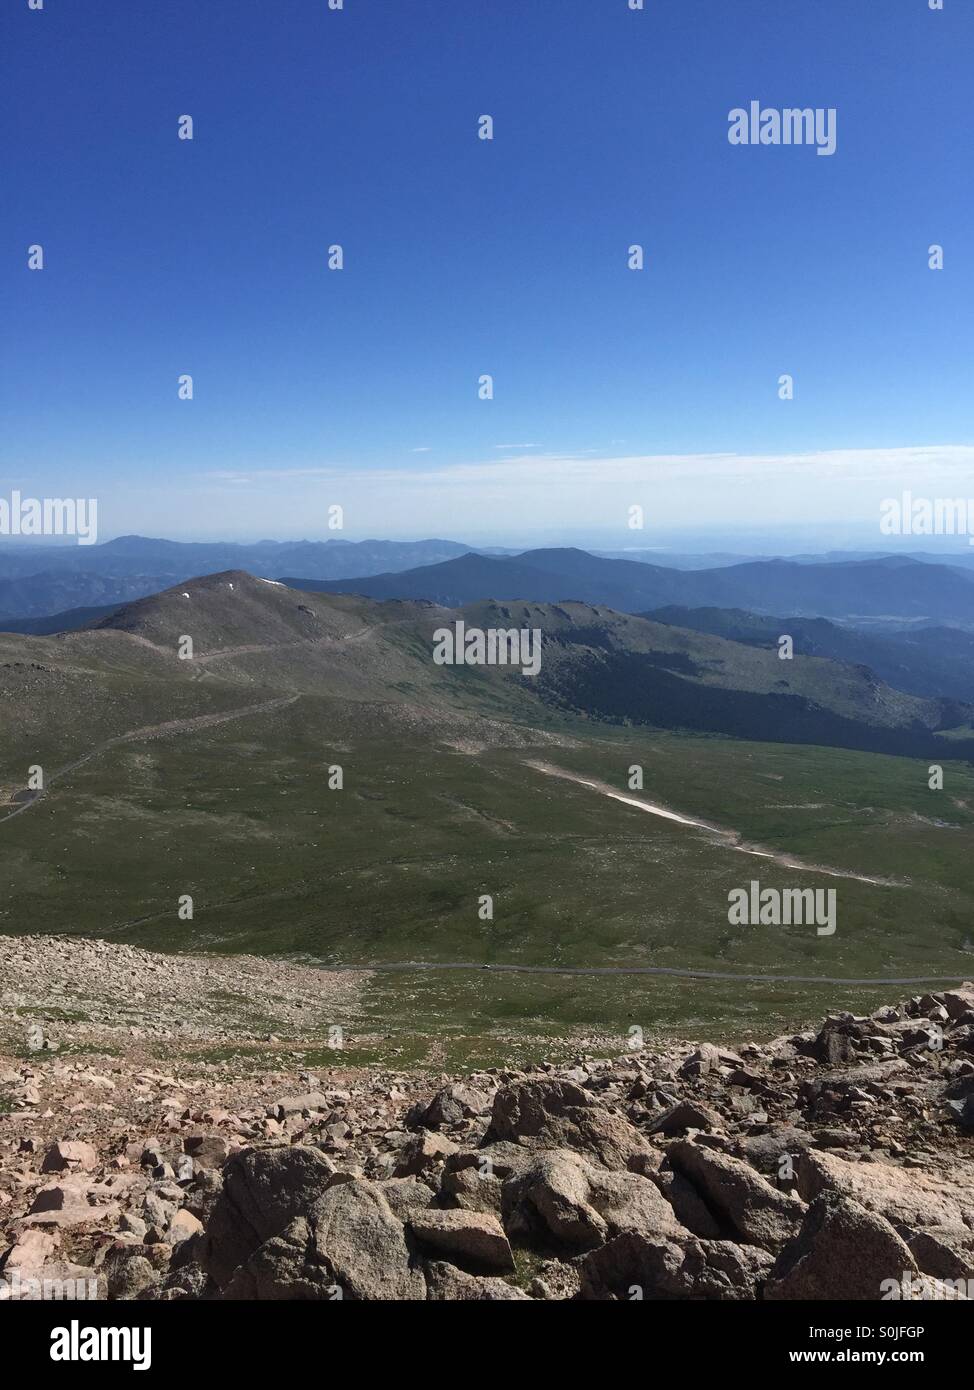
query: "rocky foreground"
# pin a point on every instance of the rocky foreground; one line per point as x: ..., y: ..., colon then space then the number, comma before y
x: 833, y: 1163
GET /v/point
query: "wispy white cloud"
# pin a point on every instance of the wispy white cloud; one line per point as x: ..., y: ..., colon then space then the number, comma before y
x: 549, y: 490
x: 909, y: 464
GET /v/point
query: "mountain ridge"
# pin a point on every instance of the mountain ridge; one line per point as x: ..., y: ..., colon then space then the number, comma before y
x: 597, y: 663
x: 42, y: 581
x: 892, y: 587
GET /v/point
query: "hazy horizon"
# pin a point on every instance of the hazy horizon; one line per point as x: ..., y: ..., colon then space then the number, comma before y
x: 783, y: 541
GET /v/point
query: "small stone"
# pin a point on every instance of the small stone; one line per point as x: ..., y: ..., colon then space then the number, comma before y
x: 72, y: 1156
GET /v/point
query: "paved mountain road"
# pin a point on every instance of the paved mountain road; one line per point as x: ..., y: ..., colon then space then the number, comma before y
x: 657, y: 970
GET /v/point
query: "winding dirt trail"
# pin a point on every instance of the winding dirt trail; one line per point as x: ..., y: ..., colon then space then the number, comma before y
x: 149, y: 731
x: 727, y: 839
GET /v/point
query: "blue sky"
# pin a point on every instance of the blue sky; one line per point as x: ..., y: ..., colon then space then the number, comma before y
x: 465, y: 257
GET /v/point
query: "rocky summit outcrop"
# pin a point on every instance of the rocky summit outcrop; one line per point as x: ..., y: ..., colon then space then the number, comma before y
x: 827, y: 1164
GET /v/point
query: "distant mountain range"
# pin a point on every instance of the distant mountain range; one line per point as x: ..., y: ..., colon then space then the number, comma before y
x: 682, y: 560
x: 68, y: 621
x: 47, y: 582
x: 133, y: 555
x: 890, y: 588
x: 38, y: 580
x: 922, y: 660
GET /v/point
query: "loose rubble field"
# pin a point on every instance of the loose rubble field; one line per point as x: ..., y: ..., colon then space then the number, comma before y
x: 831, y: 1163
x: 109, y: 993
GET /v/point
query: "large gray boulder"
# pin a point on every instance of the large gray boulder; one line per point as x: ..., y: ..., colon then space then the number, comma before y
x: 447, y: 1284
x: 452, y: 1104
x: 423, y: 1153
x: 686, y: 1114
x: 688, y: 1206
x: 842, y: 1252
x: 473, y: 1178
x: 750, y: 1208
x: 349, y: 1245
x: 554, y: 1114
x: 406, y: 1195
x: 263, y: 1191
x: 636, y: 1267
x: 469, y: 1238
x: 907, y: 1197
x: 578, y: 1205
x: 946, y: 1252
x: 959, y: 1001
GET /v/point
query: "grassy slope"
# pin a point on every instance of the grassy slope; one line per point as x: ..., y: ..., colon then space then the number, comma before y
x: 391, y: 867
